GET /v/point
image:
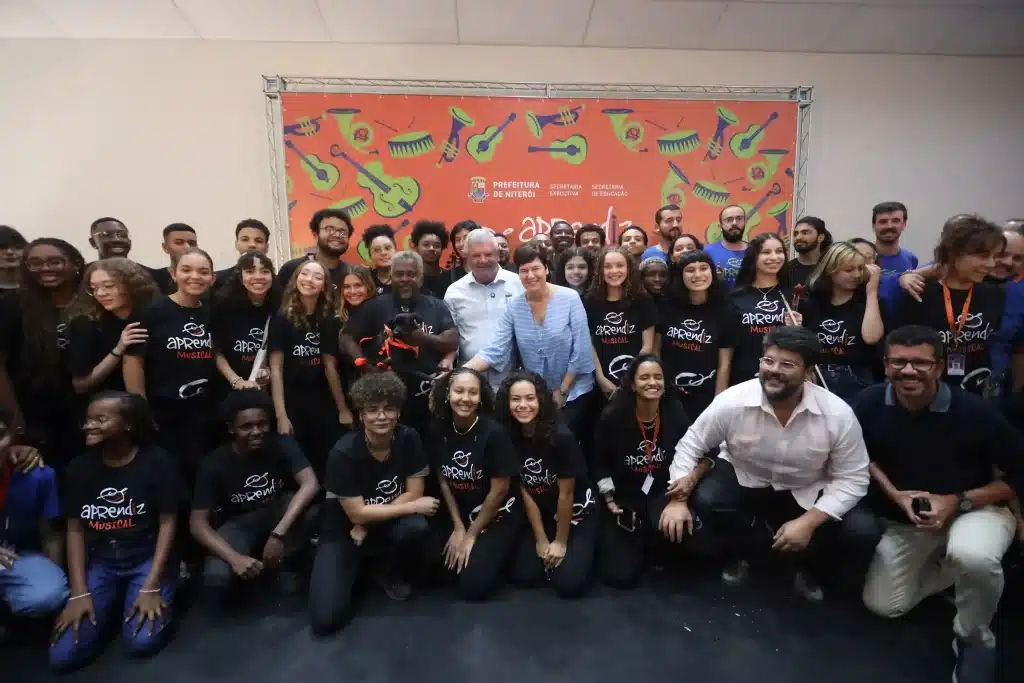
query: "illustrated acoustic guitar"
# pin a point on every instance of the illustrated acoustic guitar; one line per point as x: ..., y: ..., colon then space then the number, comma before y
x: 392, y: 197
x: 572, y: 150
x: 744, y: 145
x: 482, y: 145
x: 322, y: 175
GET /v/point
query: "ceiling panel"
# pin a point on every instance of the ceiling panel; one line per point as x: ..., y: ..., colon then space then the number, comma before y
x: 269, y: 20
x: 670, y: 25
x: 897, y: 29
x: 780, y: 26
x: 22, y: 19
x: 879, y: 3
x: 117, y: 18
x: 993, y: 32
x: 523, y: 22
x: 390, y: 21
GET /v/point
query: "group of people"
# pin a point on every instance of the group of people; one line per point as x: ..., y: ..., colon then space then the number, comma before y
x: 564, y: 411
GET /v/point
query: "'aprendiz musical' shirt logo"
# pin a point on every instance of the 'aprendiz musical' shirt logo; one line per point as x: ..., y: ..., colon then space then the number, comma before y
x: 116, y: 513
x: 251, y: 345
x: 615, y: 325
x: 259, y: 488
x: 536, y: 477
x: 639, y: 462
x: 388, y: 490
x: 194, y: 343
x: 311, y: 349
x: 767, y: 312
x: 462, y: 474
x: 834, y: 334
x: 975, y: 329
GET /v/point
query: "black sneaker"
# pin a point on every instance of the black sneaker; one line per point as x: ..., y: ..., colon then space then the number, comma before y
x: 736, y: 573
x: 975, y: 662
x: 394, y: 587
x: 807, y: 588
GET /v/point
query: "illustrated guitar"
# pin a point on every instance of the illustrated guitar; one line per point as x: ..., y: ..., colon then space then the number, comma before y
x: 572, y: 150
x: 744, y: 145
x: 482, y: 145
x: 392, y: 197
x: 752, y: 212
x: 323, y: 175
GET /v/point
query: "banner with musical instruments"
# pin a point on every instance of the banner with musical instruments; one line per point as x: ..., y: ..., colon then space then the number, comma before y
x: 517, y: 165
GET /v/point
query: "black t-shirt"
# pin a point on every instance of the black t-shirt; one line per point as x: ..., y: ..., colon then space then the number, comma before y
x: 238, y: 334
x: 755, y: 313
x: 541, y: 471
x: 691, y: 337
x: 382, y: 288
x: 91, y: 342
x: 37, y: 402
x: 162, y: 277
x: 178, y: 355
x: 336, y: 274
x: 469, y: 462
x: 234, y: 484
x: 798, y: 272
x: 979, y: 329
x: 121, y: 504
x: 437, y: 285
x: 838, y: 329
x: 616, y: 328
x: 304, y: 376
x: 352, y: 472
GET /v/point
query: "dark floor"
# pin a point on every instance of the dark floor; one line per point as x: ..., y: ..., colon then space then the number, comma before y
x: 668, y: 629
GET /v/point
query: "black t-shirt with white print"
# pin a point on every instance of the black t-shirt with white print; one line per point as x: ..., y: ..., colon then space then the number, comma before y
x: 468, y: 462
x: 233, y: 483
x: 540, y: 472
x: 121, y: 504
x: 304, y: 376
x: 91, y: 342
x: 984, y: 319
x: 691, y: 337
x: 382, y: 288
x: 178, y: 354
x: 353, y: 472
x: 238, y: 335
x: 616, y: 330
x: 755, y: 313
x: 838, y: 329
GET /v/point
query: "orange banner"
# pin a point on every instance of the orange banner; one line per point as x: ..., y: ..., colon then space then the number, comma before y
x: 517, y: 165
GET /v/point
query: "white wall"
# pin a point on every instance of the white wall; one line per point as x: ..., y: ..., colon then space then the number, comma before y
x: 157, y: 132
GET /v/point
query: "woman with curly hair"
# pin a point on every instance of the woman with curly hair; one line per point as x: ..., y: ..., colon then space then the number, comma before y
x: 35, y: 382
x: 245, y: 304
x: 375, y: 506
x: 621, y: 314
x: 558, y: 500
x: 380, y: 244
x: 575, y: 269
x: 475, y: 462
x: 102, y: 327
x: 304, y: 381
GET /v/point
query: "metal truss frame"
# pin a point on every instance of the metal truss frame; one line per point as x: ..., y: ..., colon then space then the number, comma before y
x: 275, y: 86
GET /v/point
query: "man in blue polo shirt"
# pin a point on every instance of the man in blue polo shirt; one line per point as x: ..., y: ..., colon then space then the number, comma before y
x: 934, y: 453
x: 32, y: 584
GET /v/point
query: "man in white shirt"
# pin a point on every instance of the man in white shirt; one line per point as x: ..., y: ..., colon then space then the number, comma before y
x: 792, y: 459
x: 478, y: 299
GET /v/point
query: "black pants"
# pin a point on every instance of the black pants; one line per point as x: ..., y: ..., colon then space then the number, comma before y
x: 315, y: 426
x: 247, y: 534
x: 621, y: 553
x: 571, y: 578
x: 744, y: 520
x: 404, y: 545
x: 186, y: 429
x: 492, y: 553
x: 579, y: 416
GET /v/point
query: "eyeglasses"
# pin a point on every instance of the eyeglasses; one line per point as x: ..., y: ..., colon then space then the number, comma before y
x: 112, y: 234
x: 333, y: 230
x: 100, y: 289
x: 918, y: 365
x: 388, y: 412
x: 785, y: 365
x: 53, y: 263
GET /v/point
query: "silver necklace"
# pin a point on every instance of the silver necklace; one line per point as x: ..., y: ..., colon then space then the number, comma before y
x: 765, y: 293
x: 468, y: 430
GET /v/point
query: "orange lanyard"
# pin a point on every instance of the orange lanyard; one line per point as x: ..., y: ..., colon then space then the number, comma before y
x: 953, y: 326
x: 651, y: 444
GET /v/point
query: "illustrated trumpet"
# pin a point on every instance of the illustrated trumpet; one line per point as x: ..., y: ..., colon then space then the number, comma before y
x: 358, y: 134
x: 760, y: 172
x: 453, y: 144
x: 630, y: 133
x: 564, y: 117
x: 725, y: 119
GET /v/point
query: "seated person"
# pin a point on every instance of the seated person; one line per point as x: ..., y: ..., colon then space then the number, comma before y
x: 121, y: 503
x: 636, y: 436
x: 934, y: 450
x: 32, y: 583
x: 792, y: 457
x: 375, y: 505
x: 475, y: 462
x: 242, y: 488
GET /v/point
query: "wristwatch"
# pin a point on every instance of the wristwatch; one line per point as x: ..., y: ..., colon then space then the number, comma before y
x: 963, y: 503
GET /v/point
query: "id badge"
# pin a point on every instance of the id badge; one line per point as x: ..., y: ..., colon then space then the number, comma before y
x: 956, y: 364
x: 648, y: 483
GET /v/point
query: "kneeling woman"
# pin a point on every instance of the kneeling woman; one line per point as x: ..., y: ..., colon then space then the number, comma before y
x: 475, y: 462
x: 121, y: 499
x: 636, y: 437
x: 375, y: 505
x: 558, y: 501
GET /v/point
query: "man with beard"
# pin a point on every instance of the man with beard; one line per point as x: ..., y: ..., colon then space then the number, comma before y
x: 889, y: 220
x: 792, y: 461
x: 109, y: 237
x: 419, y: 339
x: 728, y: 253
x: 591, y: 237
x: 669, y: 222
x: 810, y: 241
x: 333, y: 230
x: 562, y: 237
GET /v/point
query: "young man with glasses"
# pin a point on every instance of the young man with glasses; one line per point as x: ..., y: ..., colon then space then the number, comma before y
x: 792, y: 460
x: 332, y: 229
x: 109, y: 237
x: 934, y: 451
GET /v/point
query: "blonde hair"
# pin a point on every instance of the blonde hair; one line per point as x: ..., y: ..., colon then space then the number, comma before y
x: 837, y: 256
x: 365, y: 276
x: 291, y: 303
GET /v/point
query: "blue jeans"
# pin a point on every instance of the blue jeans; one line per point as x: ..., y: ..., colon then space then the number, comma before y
x: 34, y: 586
x: 113, y: 573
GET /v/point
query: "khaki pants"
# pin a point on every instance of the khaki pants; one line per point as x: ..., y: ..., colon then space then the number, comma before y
x: 911, y: 564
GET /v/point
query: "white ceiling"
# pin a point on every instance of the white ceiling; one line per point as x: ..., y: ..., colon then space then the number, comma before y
x: 951, y: 27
